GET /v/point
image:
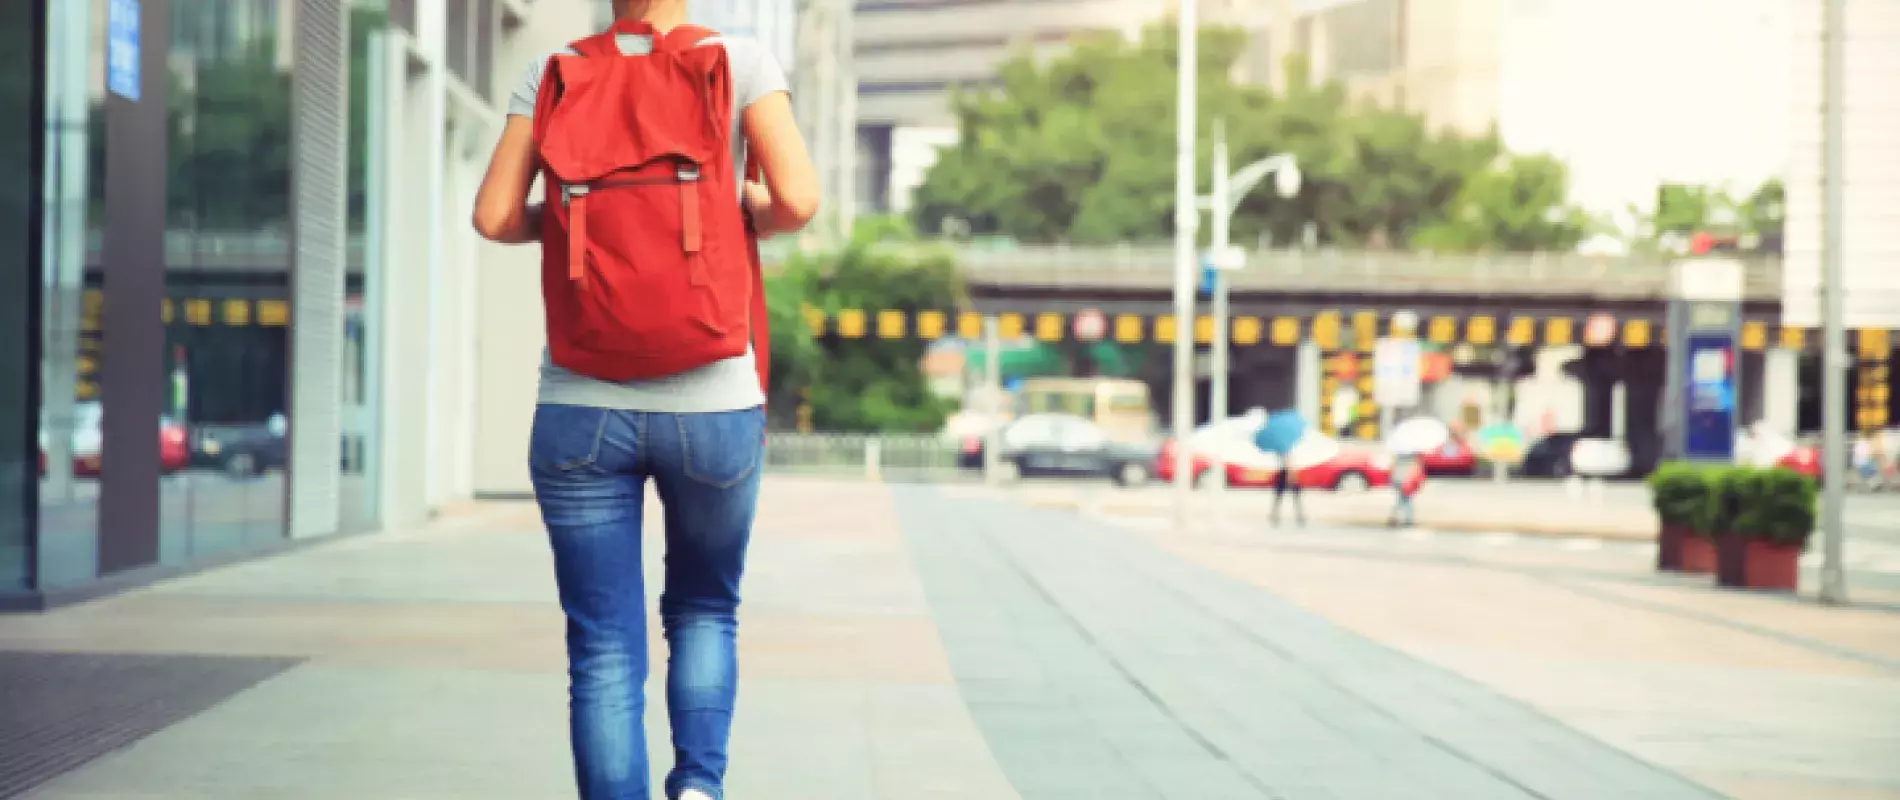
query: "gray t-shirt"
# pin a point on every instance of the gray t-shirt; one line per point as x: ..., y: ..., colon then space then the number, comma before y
x: 727, y: 385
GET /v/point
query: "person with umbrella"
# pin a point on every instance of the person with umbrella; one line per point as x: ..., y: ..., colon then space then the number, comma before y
x: 1278, y: 435
x: 1410, y: 438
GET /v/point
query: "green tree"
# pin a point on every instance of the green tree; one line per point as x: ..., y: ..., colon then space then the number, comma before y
x: 867, y: 384
x: 229, y: 155
x: 1519, y: 203
x: 1078, y: 149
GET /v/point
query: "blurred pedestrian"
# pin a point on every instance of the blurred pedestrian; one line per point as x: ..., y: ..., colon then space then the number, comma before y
x: 1408, y: 477
x: 649, y: 375
x: 1868, y: 463
x: 1286, y: 482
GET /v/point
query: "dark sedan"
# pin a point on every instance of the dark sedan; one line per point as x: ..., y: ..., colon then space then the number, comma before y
x: 1062, y: 445
x: 1549, y: 457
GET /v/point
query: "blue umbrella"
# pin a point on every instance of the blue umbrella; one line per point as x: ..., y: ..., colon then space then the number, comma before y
x: 1283, y: 430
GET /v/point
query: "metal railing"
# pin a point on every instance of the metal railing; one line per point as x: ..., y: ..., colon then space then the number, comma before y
x: 1376, y: 272
x: 891, y: 457
x: 1132, y: 266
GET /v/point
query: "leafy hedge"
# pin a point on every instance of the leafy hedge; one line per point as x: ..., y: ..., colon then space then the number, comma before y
x: 1776, y: 505
x: 1680, y: 493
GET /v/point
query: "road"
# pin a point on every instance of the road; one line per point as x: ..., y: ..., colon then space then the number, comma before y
x: 915, y: 641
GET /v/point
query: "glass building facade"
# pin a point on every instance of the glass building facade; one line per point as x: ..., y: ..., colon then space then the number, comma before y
x: 156, y: 268
x: 201, y: 358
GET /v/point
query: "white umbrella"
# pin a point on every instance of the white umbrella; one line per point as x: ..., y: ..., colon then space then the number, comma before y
x: 1417, y: 435
x: 1312, y: 450
x: 1599, y: 458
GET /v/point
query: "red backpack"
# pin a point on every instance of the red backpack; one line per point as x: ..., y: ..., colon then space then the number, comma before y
x: 648, y: 265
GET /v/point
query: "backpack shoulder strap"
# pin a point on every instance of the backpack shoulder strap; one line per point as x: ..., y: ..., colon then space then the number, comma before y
x: 761, y: 317
x: 686, y: 37
x: 599, y: 45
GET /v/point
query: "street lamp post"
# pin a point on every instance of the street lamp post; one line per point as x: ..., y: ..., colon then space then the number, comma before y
x: 1222, y: 202
x: 1834, y: 332
x: 1185, y: 218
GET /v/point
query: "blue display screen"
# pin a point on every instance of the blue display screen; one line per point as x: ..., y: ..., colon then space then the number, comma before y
x: 1709, y: 403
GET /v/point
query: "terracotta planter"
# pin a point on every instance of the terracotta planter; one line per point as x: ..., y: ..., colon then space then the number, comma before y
x: 1731, y: 560
x: 1698, y: 554
x: 1767, y: 565
x: 1669, y: 546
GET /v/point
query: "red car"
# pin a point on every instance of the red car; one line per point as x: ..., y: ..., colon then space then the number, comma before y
x: 1452, y: 458
x: 1804, y: 459
x: 174, y: 448
x: 1348, y: 470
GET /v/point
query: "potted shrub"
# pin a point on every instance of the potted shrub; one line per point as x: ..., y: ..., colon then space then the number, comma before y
x: 1696, y: 551
x: 1774, y: 519
x: 1679, y: 493
x: 1730, y: 491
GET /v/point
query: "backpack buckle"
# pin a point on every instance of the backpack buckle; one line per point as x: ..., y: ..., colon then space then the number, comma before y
x: 687, y: 173
x: 569, y: 191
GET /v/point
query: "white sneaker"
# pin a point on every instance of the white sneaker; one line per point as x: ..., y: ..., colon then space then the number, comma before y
x: 694, y: 794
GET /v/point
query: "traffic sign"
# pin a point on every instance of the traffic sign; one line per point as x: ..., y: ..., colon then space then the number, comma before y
x: 1395, y: 371
x: 1600, y: 331
x: 1090, y: 325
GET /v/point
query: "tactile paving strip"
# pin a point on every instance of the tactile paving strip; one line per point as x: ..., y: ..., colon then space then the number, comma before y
x: 61, y: 710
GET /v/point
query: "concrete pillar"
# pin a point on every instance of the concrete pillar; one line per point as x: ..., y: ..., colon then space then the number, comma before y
x: 407, y: 306
x: 1306, y: 382
x: 319, y: 136
x: 1781, y: 389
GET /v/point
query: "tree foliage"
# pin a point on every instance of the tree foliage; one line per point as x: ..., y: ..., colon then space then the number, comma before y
x: 1079, y: 149
x: 868, y: 384
x: 1516, y: 204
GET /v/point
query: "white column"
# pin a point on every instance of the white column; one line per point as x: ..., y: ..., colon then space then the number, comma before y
x: 67, y: 63
x: 406, y: 306
x: 1781, y: 389
x: 1306, y: 382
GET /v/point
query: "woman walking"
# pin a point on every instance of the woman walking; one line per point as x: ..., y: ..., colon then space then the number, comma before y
x: 654, y: 369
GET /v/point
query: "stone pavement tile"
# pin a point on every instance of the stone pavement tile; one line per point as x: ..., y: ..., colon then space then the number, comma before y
x: 1677, y: 689
x: 1868, y: 630
x: 436, y: 667
x: 324, y: 733
x: 1459, y: 602
x: 1751, y: 789
x: 1218, y: 668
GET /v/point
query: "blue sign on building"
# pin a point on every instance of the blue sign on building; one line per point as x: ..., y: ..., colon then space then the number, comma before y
x: 1709, y: 403
x: 122, y: 48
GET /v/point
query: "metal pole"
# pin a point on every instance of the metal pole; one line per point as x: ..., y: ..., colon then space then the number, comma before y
x: 993, y: 386
x: 1220, y: 217
x: 1834, y: 356
x: 1185, y: 218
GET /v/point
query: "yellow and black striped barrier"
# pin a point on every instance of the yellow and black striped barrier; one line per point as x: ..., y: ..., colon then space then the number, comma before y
x: 1330, y: 330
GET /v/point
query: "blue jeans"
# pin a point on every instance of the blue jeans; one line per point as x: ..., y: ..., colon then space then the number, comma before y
x: 590, y: 468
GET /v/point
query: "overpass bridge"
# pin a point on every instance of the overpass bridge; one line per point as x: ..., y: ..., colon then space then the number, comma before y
x: 1302, y: 320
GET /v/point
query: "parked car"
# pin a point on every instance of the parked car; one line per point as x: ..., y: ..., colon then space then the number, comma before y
x: 1454, y: 457
x: 1351, y: 470
x: 89, y: 440
x: 1549, y: 457
x: 1062, y: 444
x: 241, y: 451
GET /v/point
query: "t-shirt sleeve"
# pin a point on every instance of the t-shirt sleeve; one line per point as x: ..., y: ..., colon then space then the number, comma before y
x: 521, y: 100
x: 756, y: 72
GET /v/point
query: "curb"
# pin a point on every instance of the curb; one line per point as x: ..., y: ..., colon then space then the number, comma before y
x: 1445, y: 526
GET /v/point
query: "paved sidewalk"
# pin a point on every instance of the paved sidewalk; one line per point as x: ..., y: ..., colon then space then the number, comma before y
x: 1758, y: 696
x: 954, y: 642
x: 431, y: 667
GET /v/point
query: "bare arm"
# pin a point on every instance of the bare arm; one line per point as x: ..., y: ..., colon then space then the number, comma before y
x: 502, y: 213
x: 789, y: 198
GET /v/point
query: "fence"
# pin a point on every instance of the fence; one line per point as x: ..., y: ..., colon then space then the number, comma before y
x: 889, y: 457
